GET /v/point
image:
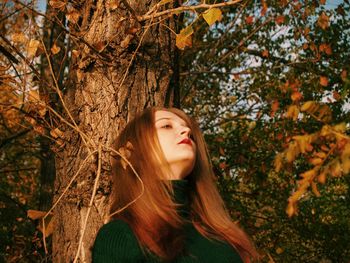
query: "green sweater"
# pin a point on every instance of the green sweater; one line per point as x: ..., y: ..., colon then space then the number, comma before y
x: 116, y: 241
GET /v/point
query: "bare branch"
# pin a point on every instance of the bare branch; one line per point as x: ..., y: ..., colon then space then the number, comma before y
x: 186, y: 8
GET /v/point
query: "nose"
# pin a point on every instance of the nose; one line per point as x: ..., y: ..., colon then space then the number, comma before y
x: 185, y: 131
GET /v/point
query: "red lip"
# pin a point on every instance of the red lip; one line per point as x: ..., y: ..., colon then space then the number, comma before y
x: 186, y: 141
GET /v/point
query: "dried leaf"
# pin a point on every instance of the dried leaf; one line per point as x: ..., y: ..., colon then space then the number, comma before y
x: 324, y: 81
x: 57, y: 4
x: 249, y: 20
x: 326, y: 49
x: 113, y: 4
x: 33, y: 96
x: 323, y: 21
x: 336, y: 95
x: 56, y: 133
x: 55, y: 49
x: 49, y: 227
x: 184, y: 38
x: 343, y: 74
x: 308, y: 106
x: 32, y: 47
x: 314, y: 189
x: 279, y: 19
x: 73, y: 16
x: 163, y: 2
x: 35, y: 214
x: 100, y: 46
x: 278, y: 163
x: 274, y: 107
x: 212, y: 15
x: 75, y: 53
x: 19, y: 38
x: 296, y: 96
x: 265, y: 53
x: 279, y: 250
x: 264, y: 8
x: 292, y: 112
x: 126, y: 41
x: 316, y: 161
x: 322, y: 177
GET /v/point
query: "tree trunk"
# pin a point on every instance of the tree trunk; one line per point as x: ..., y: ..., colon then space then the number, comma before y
x: 100, y: 103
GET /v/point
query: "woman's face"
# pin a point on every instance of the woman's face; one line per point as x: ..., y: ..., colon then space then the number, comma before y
x: 174, y: 139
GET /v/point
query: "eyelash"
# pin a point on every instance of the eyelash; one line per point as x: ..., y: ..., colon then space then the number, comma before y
x: 166, y: 126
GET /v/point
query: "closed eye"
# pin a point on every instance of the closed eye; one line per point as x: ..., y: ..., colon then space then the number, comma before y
x: 166, y: 126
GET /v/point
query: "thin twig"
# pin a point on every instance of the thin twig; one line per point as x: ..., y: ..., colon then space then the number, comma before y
x: 131, y: 10
x: 63, y: 193
x: 61, y: 98
x: 186, y: 8
x: 98, y: 174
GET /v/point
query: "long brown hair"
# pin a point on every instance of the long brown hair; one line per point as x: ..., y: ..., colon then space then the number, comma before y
x: 153, y: 216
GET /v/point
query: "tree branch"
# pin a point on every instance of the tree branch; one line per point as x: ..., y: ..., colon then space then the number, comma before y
x: 186, y: 8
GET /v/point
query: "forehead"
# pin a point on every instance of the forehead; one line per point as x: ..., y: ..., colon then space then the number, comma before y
x: 167, y: 115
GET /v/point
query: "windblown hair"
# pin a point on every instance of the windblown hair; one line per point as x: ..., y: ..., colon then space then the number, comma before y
x: 153, y: 217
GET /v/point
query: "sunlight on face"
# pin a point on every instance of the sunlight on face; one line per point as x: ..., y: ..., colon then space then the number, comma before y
x: 175, y: 141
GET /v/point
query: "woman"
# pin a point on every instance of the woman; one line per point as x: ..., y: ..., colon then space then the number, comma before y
x: 172, y: 209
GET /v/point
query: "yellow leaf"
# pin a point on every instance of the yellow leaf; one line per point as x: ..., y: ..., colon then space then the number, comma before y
x: 307, y: 106
x: 35, y: 214
x: 19, y: 38
x: 335, y: 169
x: 314, y: 189
x: 279, y: 250
x: 322, y: 177
x: 184, y: 38
x: 278, y: 162
x: 341, y: 127
x: 292, y: 112
x: 345, y: 158
x: 56, y: 133
x: 55, y: 49
x: 315, y: 161
x: 321, y: 155
x: 32, y: 47
x: 292, y: 152
x: 212, y: 15
x: 73, y: 15
x: 163, y: 2
x: 291, y: 209
x: 33, y: 96
x: 309, y: 175
x: 75, y: 53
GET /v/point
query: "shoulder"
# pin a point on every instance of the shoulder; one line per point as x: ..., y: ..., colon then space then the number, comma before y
x: 116, y: 242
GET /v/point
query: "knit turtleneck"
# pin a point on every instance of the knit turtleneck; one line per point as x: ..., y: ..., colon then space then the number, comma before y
x: 181, y: 197
x: 116, y: 242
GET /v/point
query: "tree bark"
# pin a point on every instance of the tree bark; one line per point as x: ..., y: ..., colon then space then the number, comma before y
x: 100, y: 102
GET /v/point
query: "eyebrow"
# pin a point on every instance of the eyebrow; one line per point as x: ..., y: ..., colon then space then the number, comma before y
x: 168, y: 118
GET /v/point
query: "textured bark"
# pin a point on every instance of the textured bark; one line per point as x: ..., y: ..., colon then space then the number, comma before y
x: 53, y: 34
x: 101, y: 105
